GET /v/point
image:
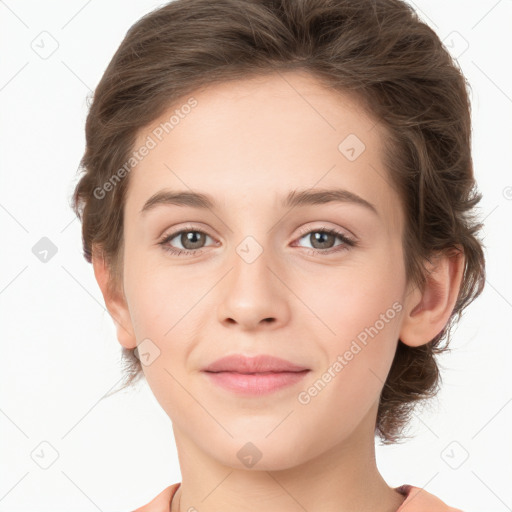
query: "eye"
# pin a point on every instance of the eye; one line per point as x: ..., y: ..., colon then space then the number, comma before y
x: 190, y: 239
x: 322, y: 240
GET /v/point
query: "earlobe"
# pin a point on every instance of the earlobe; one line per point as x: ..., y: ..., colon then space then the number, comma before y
x: 427, y: 312
x: 114, y: 302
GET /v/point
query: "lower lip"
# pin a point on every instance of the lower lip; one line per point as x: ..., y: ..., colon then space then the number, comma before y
x: 256, y: 383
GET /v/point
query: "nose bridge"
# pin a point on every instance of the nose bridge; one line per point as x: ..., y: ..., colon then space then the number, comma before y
x: 251, y: 261
x: 251, y: 292
x: 252, y: 240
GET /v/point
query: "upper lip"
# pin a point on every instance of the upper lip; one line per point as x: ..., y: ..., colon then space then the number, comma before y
x: 259, y: 364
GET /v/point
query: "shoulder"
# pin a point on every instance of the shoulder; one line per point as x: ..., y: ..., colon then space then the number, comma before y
x: 161, y: 503
x: 419, y: 500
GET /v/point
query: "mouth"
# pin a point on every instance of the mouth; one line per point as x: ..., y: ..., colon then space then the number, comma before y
x: 262, y: 363
x: 257, y: 375
x: 257, y: 383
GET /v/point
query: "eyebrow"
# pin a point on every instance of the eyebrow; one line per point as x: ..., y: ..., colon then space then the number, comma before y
x: 295, y: 198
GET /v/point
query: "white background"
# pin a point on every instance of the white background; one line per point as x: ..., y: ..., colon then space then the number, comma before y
x: 59, y: 351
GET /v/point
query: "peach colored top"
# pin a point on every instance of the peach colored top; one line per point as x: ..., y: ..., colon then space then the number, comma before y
x: 417, y: 500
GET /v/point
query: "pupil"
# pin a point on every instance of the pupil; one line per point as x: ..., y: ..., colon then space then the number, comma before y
x: 318, y: 237
x: 191, y: 237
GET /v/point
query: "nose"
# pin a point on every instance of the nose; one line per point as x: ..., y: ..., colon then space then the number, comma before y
x: 252, y: 294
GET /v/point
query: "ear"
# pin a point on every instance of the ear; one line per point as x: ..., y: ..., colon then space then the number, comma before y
x: 427, y: 313
x: 114, y: 301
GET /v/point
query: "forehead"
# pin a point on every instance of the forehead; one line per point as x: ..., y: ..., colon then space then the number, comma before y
x: 256, y: 139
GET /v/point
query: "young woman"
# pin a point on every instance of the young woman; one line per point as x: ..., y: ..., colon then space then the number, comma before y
x: 277, y: 201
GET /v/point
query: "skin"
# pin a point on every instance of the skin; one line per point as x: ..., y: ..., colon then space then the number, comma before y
x: 248, y: 143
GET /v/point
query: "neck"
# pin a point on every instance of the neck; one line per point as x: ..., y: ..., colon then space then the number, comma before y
x: 344, y: 478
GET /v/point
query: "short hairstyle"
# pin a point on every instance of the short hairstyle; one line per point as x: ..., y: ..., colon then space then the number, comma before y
x: 379, y: 52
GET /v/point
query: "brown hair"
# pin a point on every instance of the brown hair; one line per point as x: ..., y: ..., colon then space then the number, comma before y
x: 378, y: 51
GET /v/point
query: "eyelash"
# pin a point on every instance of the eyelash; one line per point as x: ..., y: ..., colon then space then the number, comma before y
x: 347, y: 242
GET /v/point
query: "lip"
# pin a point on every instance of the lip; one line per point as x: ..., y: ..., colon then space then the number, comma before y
x: 257, y: 364
x: 255, y: 383
x: 254, y: 375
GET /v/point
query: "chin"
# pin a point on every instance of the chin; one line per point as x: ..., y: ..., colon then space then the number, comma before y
x: 260, y: 454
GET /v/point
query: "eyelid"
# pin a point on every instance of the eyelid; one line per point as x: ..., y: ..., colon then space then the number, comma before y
x: 173, y: 233
x: 304, y: 230
x: 348, y: 241
x: 186, y: 227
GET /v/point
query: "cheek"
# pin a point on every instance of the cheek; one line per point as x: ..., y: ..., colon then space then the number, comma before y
x: 166, y: 308
x: 157, y: 294
x: 364, y: 316
x: 162, y: 311
x: 351, y: 299
x: 360, y: 309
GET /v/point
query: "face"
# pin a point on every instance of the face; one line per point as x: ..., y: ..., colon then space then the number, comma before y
x: 320, y: 284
